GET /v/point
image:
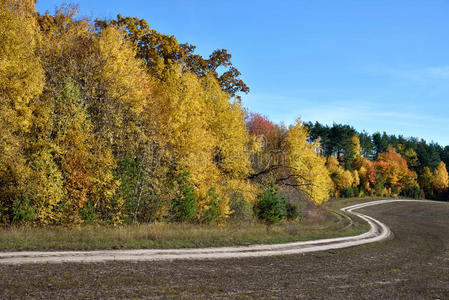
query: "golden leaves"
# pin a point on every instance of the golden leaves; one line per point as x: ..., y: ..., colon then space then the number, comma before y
x: 440, y: 178
x: 307, y: 164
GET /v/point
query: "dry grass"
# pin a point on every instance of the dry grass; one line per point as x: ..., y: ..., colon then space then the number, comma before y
x: 163, y: 235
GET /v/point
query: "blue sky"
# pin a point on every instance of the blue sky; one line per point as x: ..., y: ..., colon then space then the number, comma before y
x: 378, y: 65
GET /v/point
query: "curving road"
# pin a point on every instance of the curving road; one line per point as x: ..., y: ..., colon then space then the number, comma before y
x: 378, y: 232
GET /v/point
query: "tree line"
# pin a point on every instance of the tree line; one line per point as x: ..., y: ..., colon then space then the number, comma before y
x: 112, y: 122
x: 358, y: 164
x: 425, y: 163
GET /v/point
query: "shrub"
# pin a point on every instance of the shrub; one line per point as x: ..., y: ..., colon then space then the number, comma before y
x: 362, y: 193
x: 129, y: 173
x: 442, y: 196
x: 351, y: 192
x: 394, y: 190
x: 23, y: 211
x: 348, y: 192
x: 242, y: 210
x: 271, y: 206
x: 294, y: 211
x: 87, y: 213
x: 183, y: 205
x: 211, y: 213
x: 413, y: 192
x: 380, y: 186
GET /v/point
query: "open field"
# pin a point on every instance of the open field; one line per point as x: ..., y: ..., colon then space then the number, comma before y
x: 413, y: 265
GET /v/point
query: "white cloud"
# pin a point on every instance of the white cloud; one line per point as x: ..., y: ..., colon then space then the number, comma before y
x: 350, y: 111
x: 414, y: 74
x: 440, y: 72
x: 391, y: 116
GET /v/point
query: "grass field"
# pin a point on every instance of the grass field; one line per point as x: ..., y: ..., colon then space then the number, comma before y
x: 325, y: 223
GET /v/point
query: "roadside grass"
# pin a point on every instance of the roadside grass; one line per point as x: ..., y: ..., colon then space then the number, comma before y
x: 327, y: 224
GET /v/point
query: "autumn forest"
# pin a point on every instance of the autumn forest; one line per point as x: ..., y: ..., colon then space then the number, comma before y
x: 113, y: 122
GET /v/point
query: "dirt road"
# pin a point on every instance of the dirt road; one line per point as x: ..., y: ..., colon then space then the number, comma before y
x: 378, y: 231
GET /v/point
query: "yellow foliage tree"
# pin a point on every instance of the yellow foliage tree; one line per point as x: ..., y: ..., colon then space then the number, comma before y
x: 181, y: 121
x: 85, y: 164
x: 412, y: 158
x: 114, y: 90
x: 233, y: 146
x: 113, y: 82
x: 440, y: 178
x: 333, y: 164
x: 355, y: 147
x: 119, y: 92
x: 227, y: 123
x: 307, y: 165
x: 21, y: 81
x: 47, y: 185
x: 341, y: 178
x: 356, y: 177
x: 65, y: 50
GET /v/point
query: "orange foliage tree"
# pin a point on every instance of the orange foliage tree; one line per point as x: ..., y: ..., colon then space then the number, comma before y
x: 393, y: 168
x: 259, y: 125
